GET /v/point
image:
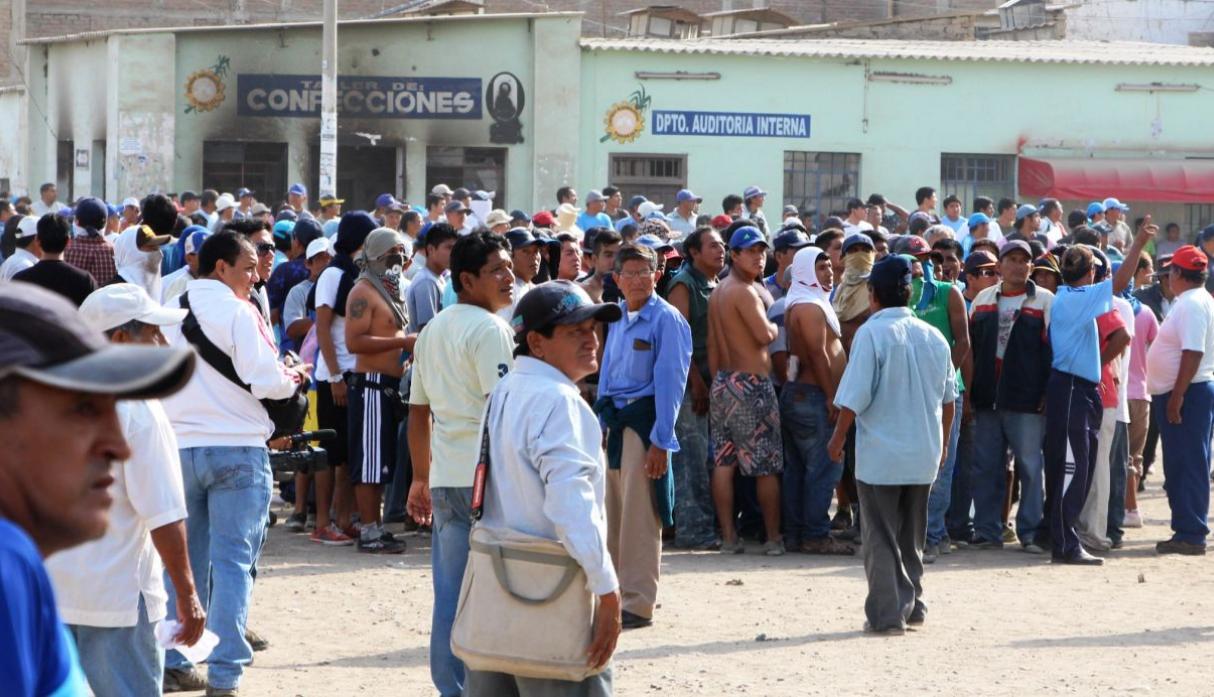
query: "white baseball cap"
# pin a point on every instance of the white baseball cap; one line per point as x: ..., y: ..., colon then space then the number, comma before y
x: 441, y: 190
x: 114, y: 305
x: 27, y: 227
x: 648, y: 208
x: 224, y: 202
x: 317, y: 246
x: 130, y: 201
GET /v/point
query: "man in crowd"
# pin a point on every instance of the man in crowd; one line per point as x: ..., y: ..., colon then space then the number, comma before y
x: 732, y: 206
x: 745, y: 415
x: 174, y: 284
x: 752, y: 199
x: 605, y: 247
x: 784, y: 248
x: 130, y: 212
x: 1025, y: 227
x: 683, y: 218
x: 59, y: 385
x: 952, y: 217
x: 1114, y: 227
x: 569, y: 257
x: 1180, y: 378
x: 423, y: 300
x: 375, y: 334
x: 244, y: 203
x: 614, y: 203
x: 807, y: 405
x: 594, y: 216
x: 51, y: 272
x: 899, y: 388
x: 925, y: 199
x: 689, y: 291
x: 566, y: 194
x: 222, y: 430
x: 459, y: 357
x: 641, y: 385
x: 525, y: 259
x: 225, y: 211
x: 284, y: 277
x: 457, y: 216
x: 297, y: 199
x: 27, y: 251
x: 857, y: 217
x: 47, y: 202
x: 90, y: 251
x: 1009, y: 330
x: 946, y: 258
x: 110, y: 591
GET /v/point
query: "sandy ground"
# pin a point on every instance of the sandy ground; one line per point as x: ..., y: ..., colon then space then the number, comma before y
x: 999, y: 623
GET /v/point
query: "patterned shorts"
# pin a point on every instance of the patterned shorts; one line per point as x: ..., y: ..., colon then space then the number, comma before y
x: 744, y: 417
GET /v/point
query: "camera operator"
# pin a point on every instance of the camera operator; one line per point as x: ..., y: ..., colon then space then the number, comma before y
x: 222, y: 431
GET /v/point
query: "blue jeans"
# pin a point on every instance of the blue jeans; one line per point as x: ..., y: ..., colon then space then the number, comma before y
x: 958, y: 520
x: 227, y: 494
x: 994, y: 432
x: 120, y: 661
x: 452, y: 523
x: 942, y: 488
x: 1186, y: 460
x: 398, y: 489
x: 809, y: 475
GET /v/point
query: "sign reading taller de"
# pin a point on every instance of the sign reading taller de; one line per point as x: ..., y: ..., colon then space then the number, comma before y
x: 361, y: 97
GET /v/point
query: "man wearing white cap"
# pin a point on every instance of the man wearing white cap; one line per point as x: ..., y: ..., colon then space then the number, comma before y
x: 225, y: 209
x: 130, y: 212
x: 295, y: 317
x: 110, y: 591
x: 28, y: 251
x: 174, y: 284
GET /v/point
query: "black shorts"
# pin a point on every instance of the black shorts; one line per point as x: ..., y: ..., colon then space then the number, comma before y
x: 329, y: 415
x: 373, y: 431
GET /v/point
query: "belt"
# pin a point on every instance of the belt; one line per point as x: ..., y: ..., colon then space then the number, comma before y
x: 359, y: 380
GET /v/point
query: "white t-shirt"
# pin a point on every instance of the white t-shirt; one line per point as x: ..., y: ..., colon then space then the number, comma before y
x: 326, y: 296
x: 459, y: 357
x: 1009, y: 305
x: 1188, y: 327
x: 98, y: 584
x: 862, y: 226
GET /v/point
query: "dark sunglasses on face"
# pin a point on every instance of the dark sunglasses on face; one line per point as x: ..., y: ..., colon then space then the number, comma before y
x: 265, y: 248
x: 987, y: 273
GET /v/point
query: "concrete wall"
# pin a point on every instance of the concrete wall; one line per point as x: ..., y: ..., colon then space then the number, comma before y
x: 900, y: 130
x: 12, y: 107
x: 1156, y: 21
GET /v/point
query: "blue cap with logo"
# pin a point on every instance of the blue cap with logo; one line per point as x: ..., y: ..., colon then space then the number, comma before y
x: 1095, y: 208
x: 746, y: 237
x: 558, y: 302
x: 655, y: 243
x: 978, y: 219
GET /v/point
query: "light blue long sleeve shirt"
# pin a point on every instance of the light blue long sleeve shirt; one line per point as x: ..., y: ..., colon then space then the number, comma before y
x: 899, y: 375
x: 648, y: 354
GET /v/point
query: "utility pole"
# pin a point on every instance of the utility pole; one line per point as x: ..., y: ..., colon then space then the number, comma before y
x: 328, y: 103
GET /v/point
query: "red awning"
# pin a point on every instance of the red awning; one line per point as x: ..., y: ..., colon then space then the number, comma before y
x: 1175, y: 181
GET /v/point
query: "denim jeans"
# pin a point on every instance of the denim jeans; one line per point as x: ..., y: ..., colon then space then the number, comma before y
x: 942, y: 488
x: 994, y: 432
x: 809, y: 475
x: 452, y: 523
x: 1119, y: 465
x: 227, y: 493
x: 695, y: 518
x: 121, y: 661
x: 958, y: 519
x: 398, y: 489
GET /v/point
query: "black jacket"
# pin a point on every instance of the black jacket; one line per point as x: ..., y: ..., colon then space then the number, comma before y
x: 1018, y: 383
x: 1152, y: 297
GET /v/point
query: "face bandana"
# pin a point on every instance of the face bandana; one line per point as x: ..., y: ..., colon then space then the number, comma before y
x: 382, y: 266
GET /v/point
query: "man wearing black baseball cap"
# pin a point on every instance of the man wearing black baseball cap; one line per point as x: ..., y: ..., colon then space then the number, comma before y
x: 59, y: 382
x: 899, y: 389
x: 784, y: 247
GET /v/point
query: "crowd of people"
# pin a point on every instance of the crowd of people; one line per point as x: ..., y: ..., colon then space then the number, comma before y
x: 612, y: 377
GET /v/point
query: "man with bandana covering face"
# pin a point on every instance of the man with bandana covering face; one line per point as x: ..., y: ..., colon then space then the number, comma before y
x: 375, y: 334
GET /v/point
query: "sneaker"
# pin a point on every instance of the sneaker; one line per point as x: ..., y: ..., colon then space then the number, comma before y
x: 1009, y: 535
x: 735, y: 547
x: 1178, y: 547
x: 331, y: 536
x: 352, y: 530
x: 256, y: 641
x: 1032, y: 548
x: 980, y: 543
x: 296, y: 523
x: 183, y: 680
x: 1133, y: 519
x: 930, y: 554
x: 383, y: 544
x: 774, y: 548
x: 945, y: 546
x: 311, y: 524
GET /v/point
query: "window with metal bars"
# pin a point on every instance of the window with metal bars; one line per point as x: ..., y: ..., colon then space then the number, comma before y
x: 969, y: 176
x: 820, y: 183
x: 656, y: 177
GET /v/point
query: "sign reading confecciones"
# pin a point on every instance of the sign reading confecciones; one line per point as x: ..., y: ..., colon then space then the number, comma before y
x: 361, y: 97
x: 728, y: 123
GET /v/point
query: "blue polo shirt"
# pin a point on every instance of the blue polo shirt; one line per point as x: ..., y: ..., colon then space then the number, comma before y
x: 587, y: 221
x: 1073, y: 336
x: 37, y: 656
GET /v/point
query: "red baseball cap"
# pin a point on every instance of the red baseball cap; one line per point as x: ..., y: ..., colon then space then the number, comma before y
x: 1190, y: 258
x: 721, y: 221
x: 542, y: 219
x: 916, y: 246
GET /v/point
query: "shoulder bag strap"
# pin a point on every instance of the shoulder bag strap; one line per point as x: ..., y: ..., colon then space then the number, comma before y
x: 212, y: 354
x: 482, y: 467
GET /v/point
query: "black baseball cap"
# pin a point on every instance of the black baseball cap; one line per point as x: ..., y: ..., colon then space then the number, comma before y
x: 894, y: 270
x: 558, y: 302
x: 456, y: 206
x: 790, y: 239
x: 520, y: 237
x: 44, y: 339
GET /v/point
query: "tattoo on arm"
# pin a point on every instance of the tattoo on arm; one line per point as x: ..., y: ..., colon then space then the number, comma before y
x: 357, y: 308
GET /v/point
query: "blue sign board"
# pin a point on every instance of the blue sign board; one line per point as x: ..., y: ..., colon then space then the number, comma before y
x: 728, y: 123
x: 361, y: 97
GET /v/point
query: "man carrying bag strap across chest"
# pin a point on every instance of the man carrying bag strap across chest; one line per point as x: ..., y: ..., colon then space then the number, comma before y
x: 523, y: 626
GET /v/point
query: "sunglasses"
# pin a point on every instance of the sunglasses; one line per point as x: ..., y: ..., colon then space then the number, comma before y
x: 265, y: 248
x: 987, y: 273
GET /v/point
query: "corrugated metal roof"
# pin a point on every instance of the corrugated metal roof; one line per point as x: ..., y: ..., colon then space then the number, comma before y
x: 1076, y: 52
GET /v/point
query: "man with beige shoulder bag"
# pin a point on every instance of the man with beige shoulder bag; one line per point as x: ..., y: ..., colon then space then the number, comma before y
x: 539, y: 609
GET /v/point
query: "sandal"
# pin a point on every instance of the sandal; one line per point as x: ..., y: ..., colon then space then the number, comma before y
x: 827, y: 545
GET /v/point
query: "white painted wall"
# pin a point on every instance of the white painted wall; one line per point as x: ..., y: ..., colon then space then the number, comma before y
x: 1155, y: 21
x: 12, y: 156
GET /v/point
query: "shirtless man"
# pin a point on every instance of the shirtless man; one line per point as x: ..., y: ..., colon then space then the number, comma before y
x: 744, y: 413
x: 807, y: 404
x: 375, y: 334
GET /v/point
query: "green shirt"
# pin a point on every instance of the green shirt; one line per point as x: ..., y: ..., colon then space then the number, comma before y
x: 934, y: 310
x: 698, y: 290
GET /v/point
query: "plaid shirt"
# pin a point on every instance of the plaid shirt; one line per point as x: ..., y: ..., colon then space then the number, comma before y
x: 94, y: 254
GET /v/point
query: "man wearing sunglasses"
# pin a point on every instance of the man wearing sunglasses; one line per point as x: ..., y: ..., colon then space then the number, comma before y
x: 1011, y: 365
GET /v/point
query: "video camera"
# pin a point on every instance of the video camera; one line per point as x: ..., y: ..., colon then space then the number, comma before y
x: 301, y: 456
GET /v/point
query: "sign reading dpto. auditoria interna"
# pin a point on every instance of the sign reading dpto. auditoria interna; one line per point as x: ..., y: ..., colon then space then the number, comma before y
x: 730, y: 123
x: 361, y: 97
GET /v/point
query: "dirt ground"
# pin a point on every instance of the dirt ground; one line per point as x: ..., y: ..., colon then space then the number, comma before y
x: 999, y: 623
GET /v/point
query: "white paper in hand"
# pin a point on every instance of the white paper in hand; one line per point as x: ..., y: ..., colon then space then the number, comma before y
x: 166, y: 636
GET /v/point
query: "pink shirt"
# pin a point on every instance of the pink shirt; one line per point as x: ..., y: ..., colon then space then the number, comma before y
x: 1146, y: 328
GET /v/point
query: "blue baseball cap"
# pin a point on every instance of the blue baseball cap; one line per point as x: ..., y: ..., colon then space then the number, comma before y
x: 636, y: 201
x: 90, y: 213
x: 1025, y: 210
x: 115, y: 211
x: 1114, y: 203
x: 520, y: 237
x: 517, y: 216
x: 746, y: 237
x: 979, y: 219
x: 857, y: 239
x: 687, y: 195
x: 655, y: 243
x: 892, y: 271
x: 752, y: 192
x: 194, y: 236
x: 284, y: 228
x: 242, y: 192
x: 790, y: 239
x: 384, y: 200
x: 298, y: 189
x: 1095, y: 208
